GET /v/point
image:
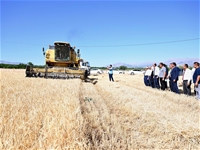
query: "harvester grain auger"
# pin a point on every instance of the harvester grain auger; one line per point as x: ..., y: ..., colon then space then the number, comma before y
x: 62, y: 62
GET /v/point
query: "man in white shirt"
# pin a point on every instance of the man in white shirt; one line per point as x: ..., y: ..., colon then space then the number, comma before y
x: 147, y: 76
x: 156, y: 76
x: 187, y: 78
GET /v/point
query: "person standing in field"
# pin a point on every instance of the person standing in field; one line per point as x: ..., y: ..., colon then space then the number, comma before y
x: 151, y: 82
x: 174, y: 74
x: 167, y: 72
x: 156, y: 76
x: 169, y: 75
x: 193, y: 70
x: 162, y: 75
x: 187, y: 78
x: 110, y: 73
x: 196, y: 80
x: 147, y: 76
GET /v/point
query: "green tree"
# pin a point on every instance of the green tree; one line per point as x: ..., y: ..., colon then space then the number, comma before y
x: 30, y: 63
x: 21, y: 66
x: 190, y: 67
x: 122, y: 68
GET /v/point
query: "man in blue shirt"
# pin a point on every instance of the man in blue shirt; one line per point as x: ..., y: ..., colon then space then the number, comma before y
x: 174, y: 74
x: 196, y: 80
x: 110, y: 72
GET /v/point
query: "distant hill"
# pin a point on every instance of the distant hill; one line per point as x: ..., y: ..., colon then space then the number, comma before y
x: 122, y: 64
x: 179, y: 61
x: 8, y: 62
x: 182, y: 61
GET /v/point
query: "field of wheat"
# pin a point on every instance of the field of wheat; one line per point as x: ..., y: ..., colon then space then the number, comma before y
x: 41, y: 113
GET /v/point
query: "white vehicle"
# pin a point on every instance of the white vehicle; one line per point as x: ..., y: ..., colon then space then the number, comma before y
x: 117, y: 72
x: 135, y: 72
x: 95, y: 71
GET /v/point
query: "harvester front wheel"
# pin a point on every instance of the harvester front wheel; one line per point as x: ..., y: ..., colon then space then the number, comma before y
x: 82, y: 77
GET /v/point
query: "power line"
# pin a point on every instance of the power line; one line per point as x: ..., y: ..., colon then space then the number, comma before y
x: 142, y: 44
x: 125, y: 45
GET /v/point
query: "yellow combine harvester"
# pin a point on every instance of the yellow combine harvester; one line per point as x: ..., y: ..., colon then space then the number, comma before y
x: 62, y: 61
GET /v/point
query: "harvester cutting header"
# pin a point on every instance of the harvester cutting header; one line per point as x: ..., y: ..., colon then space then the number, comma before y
x: 61, y: 61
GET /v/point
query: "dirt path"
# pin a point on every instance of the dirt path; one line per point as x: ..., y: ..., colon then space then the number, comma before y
x: 101, y: 126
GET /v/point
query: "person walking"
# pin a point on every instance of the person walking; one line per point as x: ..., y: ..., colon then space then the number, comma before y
x: 187, y: 78
x: 196, y: 80
x: 110, y: 73
x: 174, y: 74
x: 156, y: 76
x: 162, y: 75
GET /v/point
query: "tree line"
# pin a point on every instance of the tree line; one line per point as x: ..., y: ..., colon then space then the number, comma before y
x: 23, y: 66
x: 19, y: 66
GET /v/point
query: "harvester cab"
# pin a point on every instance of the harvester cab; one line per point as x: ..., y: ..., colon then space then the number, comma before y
x: 85, y: 65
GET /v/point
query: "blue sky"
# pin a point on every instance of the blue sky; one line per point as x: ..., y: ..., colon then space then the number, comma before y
x: 27, y: 26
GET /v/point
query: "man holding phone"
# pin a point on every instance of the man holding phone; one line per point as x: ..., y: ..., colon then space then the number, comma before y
x: 110, y: 72
x: 196, y: 80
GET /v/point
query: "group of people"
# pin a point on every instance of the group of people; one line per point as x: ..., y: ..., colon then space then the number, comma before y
x: 158, y: 76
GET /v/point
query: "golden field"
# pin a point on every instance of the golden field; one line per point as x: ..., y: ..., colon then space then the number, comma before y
x: 41, y: 113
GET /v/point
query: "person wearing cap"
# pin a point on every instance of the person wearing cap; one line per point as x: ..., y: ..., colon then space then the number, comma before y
x: 162, y: 75
x: 187, y: 78
x: 174, y: 74
x: 110, y: 73
x: 196, y: 80
x: 156, y: 76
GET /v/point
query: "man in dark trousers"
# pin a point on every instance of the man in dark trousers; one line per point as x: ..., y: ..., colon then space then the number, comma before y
x: 170, y: 85
x: 162, y: 75
x: 147, y: 75
x: 146, y: 82
x: 174, y: 74
x: 193, y: 70
x: 196, y: 80
x: 110, y: 72
x: 187, y: 77
x: 151, y: 81
x: 156, y: 76
x: 167, y: 71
